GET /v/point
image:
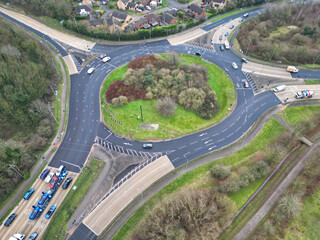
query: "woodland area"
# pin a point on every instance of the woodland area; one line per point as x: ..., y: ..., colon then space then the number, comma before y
x: 169, y: 81
x: 26, y: 72
x: 290, y: 34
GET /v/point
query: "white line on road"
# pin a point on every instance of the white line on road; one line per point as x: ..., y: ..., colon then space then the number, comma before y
x: 220, y: 140
x: 204, y: 138
x: 208, y: 141
x: 197, y: 149
x: 202, y: 134
x: 181, y: 147
x: 193, y: 143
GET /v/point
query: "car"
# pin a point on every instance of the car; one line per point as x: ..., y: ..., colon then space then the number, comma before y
x: 50, y: 212
x: 245, y: 84
x: 67, y: 183
x: 241, y: 20
x: 141, y: 7
x: 44, y: 174
x: 220, y: 37
x: 106, y: 59
x: 10, y: 219
x: 197, y: 53
x: 60, y: 170
x: 102, y: 56
x: 64, y: 174
x: 90, y: 70
x: 33, y: 236
x: 221, y: 47
x: 36, y: 213
x: 148, y: 8
x: 246, y: 15
x: 138, y: 10
x: 226, y: 34
x: 279, y: 88
x: 28, y: 194
x: 244, y: 60
x: 147, y: 145
x: 60, y: 180
x: 48, y: 178
x: 53, y: 182
x: 234, y: 65
x: 232, y: 26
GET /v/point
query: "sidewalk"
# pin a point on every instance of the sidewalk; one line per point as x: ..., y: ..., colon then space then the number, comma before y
x: 47, y: 156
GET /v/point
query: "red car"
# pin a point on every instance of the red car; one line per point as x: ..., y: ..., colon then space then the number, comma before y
x: 53, y: 182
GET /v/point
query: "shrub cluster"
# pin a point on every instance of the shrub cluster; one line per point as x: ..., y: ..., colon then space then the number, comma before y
x: 189, y: 214
x: 290, y: 33
x: 184, y: 84
x: 166, y: 106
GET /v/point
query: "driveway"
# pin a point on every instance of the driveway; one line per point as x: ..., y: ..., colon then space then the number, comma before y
x: 288, y: 95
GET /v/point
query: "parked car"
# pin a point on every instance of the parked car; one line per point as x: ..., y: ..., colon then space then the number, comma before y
x: 141, y: 7
x: 148, y: 8
x: 33, y: 236
x: 246, y: 15
x: 197, y: 54
x: 50, y: 212
x: 60, y: 170
x: 91, y: 70
x: 147, y: 145
x: 106, y: 59
x: 28, y: 194
x: 234, y: 65
x: 220, y: 37
x: 10, y: 219
x: 102, y: 56
x: 138, y: 10
x: 60, y: 180
x: 245, y: 84
x: 49, y: 177
x: 279, y: 88
x: 221, y: 47
x: 241, y: 20
x: 44, y: 174
x: 64, y: 174
x: 232, y: 26
x: 53, y: 182
x: 226, y: 34
x: 244, y: 60
x: 67, y: 183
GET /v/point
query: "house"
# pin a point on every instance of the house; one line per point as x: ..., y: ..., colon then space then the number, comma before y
x: 122, y: 4
x: 82, y: 10
x: 168, y: 19
x: 122, y: 17
x: 152, y: 20
x: 131, y: 6
x: 173, y: 12
x: 218, y: 4
x: 96, y: 23
x: 197, y: 11
x: 130, y: 28
x: 141, y: 22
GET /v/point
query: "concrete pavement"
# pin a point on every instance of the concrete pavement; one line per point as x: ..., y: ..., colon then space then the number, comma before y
x: 270, y: 71
x: 288, y: 95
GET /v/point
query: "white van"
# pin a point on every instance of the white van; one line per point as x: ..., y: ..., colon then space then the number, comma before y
x: 60, y: 170
x: 279, y: 88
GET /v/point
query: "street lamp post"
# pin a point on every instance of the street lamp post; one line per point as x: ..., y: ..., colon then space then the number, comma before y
x: 141, y: 195
x: 141, y: 113
x: 13, y: 167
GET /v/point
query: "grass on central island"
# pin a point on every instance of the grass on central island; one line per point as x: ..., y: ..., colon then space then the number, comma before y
x: 181, y: 123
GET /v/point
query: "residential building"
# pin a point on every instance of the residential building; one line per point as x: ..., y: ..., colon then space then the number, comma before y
x: 131, y: 6
x: 122, y: 4
x: 168, y: 19
x: 141, y: 22
x: 120, y: 16
x: 130, y: 28
x: 197, y: 11
x: 96, y: 23
x: 218, y: 4
x: 82, y: 10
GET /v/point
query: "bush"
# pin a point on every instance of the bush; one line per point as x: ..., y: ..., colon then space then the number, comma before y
x: 123, y: 100
x: 192, y: 98
x: 149, y: 95
x: 220, y: 171
x: 116, y: 102
x: 166, y: 106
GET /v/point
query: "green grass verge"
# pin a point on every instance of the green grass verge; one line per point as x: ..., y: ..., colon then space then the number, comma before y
x: 67, y: 94
x: 57, y: 226
x: 295, y: 115
x: 307, y: 224
x: 182, y: 122
x: 312, y: 81
x: 164, y: 4
x: 311, y: 65
x: 270, y: 132
x: 230, y: 14
x: 57, y: 103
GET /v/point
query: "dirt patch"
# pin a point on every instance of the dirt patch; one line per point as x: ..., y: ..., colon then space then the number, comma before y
x: 149, y: 126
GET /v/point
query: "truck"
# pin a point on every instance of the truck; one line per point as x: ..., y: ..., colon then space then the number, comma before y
x: 304, y: 94
x: 292, y: 69
x: 17, y: 236
x: 226, y: 44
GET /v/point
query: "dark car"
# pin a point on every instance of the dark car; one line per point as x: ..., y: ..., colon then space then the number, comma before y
x: 226, y: 34
x: 232, y: 26
x: 67, y: 183
x: 53, y: 182
x: 244, y: 60
x: 44, y: 174
x: 33, y: 236
x: 147, y: 145
x: 10, y: 219
x: 28, y: 194
x: 36, y: 213
x: 221, y: 47
x: 60, y: 180
x: 197, y: 53
x: 220, y: 37
x: 245, y: 84
x: 102, y: 56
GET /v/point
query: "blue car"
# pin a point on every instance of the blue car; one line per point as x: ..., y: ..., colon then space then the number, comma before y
x: 50, y: 212
x: 44, y: 174
x: 37, y: 211
x: 226, y: 34
x: 28, y: 194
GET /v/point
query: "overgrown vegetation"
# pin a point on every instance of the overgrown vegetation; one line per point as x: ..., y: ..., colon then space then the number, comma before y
x: 26, y: 125
x: 184, y: 83
x: 288, y: 33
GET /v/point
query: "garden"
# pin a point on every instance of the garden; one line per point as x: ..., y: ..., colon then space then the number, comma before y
x: 180, y: 93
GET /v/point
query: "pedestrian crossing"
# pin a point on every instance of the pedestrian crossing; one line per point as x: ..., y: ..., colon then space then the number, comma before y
x: 200, y: 47
x: 251, y: 81
x: 77, y: 61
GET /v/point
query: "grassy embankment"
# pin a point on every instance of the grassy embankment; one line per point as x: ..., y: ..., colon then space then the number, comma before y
x: 200, y: 176
x: 57, y: 226
x: 182, y: 122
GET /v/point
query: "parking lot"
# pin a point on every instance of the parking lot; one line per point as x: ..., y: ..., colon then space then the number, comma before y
x: 22, y: 223
x: 288, y: 95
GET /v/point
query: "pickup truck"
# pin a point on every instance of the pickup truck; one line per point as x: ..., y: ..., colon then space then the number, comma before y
x: 17, y: 236
x: 304, y: 94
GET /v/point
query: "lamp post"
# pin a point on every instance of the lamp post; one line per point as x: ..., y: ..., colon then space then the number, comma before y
x: 141, y: 113
x: 13, y: 167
